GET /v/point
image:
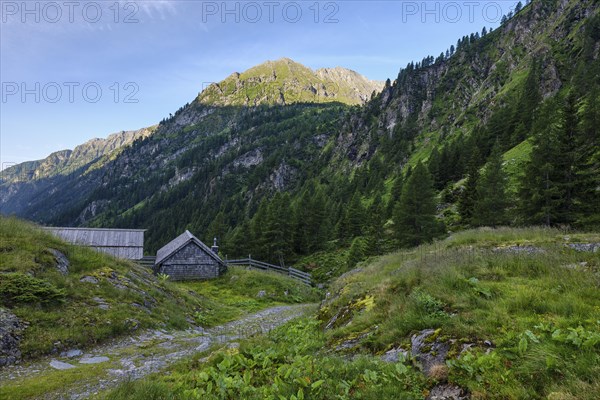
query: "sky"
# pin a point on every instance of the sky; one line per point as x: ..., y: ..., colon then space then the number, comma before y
x: 72, y: 70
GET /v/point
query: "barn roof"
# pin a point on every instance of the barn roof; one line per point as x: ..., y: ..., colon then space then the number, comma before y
x: 178, y: 243
x: 100, y: 237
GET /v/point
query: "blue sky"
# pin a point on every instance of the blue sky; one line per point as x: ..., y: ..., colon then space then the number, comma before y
x: 72, y: 71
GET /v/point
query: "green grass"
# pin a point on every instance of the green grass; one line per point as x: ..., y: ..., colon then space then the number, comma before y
x: 60, y: 309
x: 61, y: 312
x: 325, y: 265
x: 237, y: 292
x: 53, y: 380
x: 539, y: 310
x: 472, y: 292
x: 514, y: 163
x: 288, y: 363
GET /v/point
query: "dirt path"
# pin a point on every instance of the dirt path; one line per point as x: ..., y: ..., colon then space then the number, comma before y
x: 105, y: 366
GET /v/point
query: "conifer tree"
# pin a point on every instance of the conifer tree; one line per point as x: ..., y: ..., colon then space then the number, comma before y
x: 276, y: 230
x: 491, y: 201
x: 318, y: 219
x: 301, y: 234
x: 414, y: 216
x: 259, y: 221
x: 238, y: 244
x: 355, y: 217
x: 376, y: 220
x: 434, y: 165
x: 468, y: 196
x: 540, y: 193
x: 588, y: 163
x: 395, y: 195
x: 566, y: 159
x: 217, y: 228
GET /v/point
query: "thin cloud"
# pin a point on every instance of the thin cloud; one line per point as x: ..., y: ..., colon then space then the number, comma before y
x: 161, y: 9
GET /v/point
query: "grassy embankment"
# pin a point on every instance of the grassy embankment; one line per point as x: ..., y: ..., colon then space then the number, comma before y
x: 526, y: 305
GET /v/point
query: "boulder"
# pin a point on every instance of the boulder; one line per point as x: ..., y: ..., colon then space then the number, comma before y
x: 394, y: 355
x: 429, y: 352
x: 89, y: 279
x: 10, y: 331
x: 71, y: 353
x: 101, y: 303
x: 447, y: 392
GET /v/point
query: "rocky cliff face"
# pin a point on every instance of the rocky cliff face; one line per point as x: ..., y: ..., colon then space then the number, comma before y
x: 447, y: 97
x: 66, y: 161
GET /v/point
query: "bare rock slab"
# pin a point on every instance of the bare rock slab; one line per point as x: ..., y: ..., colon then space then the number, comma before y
x: 447, y: 392
x: 60, y: 365
x: 94, y: 360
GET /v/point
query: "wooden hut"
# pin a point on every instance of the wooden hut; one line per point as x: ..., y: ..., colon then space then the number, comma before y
x: 122, y: 243
x: 187, y: 258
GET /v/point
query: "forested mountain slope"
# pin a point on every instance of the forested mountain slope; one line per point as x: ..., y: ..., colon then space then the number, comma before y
x: 500, y: 129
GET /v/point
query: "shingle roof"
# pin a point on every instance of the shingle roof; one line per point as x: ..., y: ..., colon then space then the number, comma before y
x: 100, y: 237
x: 179, y: 242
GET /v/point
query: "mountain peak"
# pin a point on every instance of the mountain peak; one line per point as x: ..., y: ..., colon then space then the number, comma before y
x: 285, y: 81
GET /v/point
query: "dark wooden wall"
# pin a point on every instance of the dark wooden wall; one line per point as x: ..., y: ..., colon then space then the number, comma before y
x: 191, y: 262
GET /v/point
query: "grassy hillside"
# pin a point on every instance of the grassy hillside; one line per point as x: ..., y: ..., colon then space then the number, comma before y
x: 102, y: 297
x: 285, y: 81
x: 517, y: 310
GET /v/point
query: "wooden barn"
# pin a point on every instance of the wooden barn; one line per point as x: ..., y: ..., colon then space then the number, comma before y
x: 187, y: 258
x: 122, y: 243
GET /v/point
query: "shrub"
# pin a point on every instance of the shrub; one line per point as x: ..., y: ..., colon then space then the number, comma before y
x: 16, y: 288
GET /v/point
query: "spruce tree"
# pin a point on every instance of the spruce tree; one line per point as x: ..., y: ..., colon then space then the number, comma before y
x: 434, y: 168
x: 355, y: 217
x: 318, y: 221
x: 414, y: 216
x: 276, y: 230
x: 588, y: 163
x: 302, y: 230
x: 467, y: 199
x: 540, y: 195
x: 217, y: 228
x: 258, y: 243
x: 566, y: 159
x: 491, y: 200
x: 395, y: 195
x: 376, y: 220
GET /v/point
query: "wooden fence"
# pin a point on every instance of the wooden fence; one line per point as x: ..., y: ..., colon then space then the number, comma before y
x: 302, y: 276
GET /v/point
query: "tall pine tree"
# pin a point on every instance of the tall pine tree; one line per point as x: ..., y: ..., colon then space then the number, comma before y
x: 467, y: 199
x: 491, y: 199
x: 544, y: 194
x: 587, y: 167
x: 414, y: 216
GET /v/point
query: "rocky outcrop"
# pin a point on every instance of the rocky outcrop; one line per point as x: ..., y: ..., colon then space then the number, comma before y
x: 428, y: 351
x: 447, y: 392
x: 10, y: 337
x: 62, y: 262
x: 585, y: 247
